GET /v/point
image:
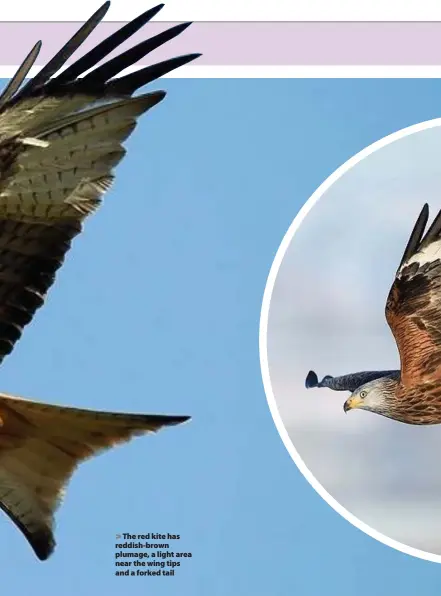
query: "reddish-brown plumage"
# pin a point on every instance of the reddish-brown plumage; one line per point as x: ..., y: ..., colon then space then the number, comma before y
x: 405, y: 317
x: 413, y: 312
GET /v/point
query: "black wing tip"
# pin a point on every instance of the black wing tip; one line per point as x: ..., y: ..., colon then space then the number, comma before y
x: 417, y: 238
x: 178, y: 61
x: 177, y: 29
x: 434, y: 232
x: 155, y: 97
x: 101, y: 12
x: 43, y: 545
x: 147, y: 15
x: 184, y: 59
x: 194, y: 56
x: 150, y: 13
x: 41, y: 540
x: 128, y: 84
x: 311, y: 380
x: 183, y: 26
x: 175, y: 420
x: 425, y: 212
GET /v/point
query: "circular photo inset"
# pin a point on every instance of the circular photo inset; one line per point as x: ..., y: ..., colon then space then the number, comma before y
x: 350, y: 340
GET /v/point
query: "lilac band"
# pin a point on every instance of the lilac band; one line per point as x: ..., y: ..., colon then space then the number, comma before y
x: 305, y: 43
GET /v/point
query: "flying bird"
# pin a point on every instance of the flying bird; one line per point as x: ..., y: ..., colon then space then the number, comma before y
x: 411, y: 394
x: 61, y: 136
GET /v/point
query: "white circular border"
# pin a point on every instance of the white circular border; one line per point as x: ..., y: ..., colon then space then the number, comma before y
x: 408, y: 550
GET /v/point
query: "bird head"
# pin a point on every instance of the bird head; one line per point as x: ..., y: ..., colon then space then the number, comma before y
x: 371, y: 396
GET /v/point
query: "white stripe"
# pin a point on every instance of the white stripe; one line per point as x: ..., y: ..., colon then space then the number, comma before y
x: 193, y: 71
x: 428, y: 255
x: 229, y: 10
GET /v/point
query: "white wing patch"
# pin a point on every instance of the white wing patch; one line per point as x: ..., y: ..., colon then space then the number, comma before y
x: 428, y: 255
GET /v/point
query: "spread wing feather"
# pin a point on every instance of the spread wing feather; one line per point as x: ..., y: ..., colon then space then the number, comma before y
x: 413, y: 308
x: 41, y: 445
x: 20, y: 75
x: 66, y: 51
x: 60, y: 139
x: 349, y: 382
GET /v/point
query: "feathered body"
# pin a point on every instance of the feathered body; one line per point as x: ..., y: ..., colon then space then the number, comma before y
x: 60, y: 140
x: 413, y: 312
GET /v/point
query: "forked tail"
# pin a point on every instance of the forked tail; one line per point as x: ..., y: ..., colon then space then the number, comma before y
x: 40, y: 447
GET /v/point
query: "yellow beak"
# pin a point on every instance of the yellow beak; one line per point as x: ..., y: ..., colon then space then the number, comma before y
x: 352, y: 403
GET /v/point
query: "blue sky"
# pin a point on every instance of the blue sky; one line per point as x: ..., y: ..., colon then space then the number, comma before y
x: 157, y: 310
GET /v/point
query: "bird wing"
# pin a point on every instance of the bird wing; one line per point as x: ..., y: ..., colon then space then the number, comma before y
x: 349, y: 382
x: 40, y: 447
x: 413, y: 308
x: 60, y: 139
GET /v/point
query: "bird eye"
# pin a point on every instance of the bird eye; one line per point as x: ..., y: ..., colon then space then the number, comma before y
x: 363, y: 394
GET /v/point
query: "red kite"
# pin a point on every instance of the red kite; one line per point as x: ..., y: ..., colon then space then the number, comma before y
x: 60, y: 138
x: 413, y: 312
